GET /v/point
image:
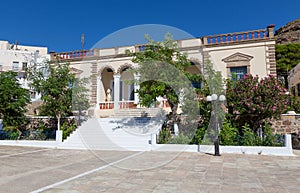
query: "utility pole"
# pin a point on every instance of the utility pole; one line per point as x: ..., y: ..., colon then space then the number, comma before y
x: 82, y: 41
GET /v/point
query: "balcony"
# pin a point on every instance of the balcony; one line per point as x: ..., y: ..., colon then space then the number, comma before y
x: 71, y: 55
x: 239, y: 36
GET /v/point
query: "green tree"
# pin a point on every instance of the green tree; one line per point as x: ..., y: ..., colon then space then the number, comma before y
x: 164, y: 68
x: 80, y: 97
x: 56, y: 89
x: 287, y: 57
x: 255, y: 101
x: 13, y: 101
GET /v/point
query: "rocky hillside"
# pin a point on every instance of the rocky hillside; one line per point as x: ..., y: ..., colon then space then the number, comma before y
x: 290, y: 33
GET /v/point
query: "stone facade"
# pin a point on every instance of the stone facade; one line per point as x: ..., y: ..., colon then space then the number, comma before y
x: 288, y: 123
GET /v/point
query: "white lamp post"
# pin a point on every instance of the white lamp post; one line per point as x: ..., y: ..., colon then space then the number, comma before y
x: 213, y: 98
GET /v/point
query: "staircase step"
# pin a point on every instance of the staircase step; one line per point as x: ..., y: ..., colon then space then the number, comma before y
x: 115, y: 133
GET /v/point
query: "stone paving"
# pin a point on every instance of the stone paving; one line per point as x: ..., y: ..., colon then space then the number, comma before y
x: 102, y: 171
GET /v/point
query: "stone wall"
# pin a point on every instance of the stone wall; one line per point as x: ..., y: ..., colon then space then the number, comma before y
x: 288, y: 123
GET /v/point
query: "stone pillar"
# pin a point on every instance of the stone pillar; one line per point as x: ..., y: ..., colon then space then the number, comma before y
x: 116, y: 90
x: 270, y: 29
x: 288, y: 141
x: 204, y: 39
x: 98, y: 91
x: 59, y: 136
x: 136, y: 87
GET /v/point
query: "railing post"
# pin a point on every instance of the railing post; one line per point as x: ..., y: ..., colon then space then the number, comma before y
x: 205, y: 41
x: 270, y: 29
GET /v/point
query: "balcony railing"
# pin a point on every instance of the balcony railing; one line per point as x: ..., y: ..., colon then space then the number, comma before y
x: 72, y: 54
x: 122, y: 105
x: 235, y: 37
x: 239, y: 36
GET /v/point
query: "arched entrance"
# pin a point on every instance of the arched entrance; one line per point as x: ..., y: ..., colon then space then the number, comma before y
x: 126, y: 95
x: 105, y: 91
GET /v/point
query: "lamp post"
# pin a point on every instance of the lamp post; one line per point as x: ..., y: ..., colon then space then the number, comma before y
x: 214, y: 99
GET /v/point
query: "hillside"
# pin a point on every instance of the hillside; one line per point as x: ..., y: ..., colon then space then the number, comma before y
x: 290, y: 33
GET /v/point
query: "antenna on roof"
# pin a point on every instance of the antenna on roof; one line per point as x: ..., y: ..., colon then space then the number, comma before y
x: 82, y: 41
x: 17, y: 44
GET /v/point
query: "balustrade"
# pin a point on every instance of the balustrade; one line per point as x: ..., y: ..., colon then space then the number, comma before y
x: 74, y: 54
x: 235, y: 37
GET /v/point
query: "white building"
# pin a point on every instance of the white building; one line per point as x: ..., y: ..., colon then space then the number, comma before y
x: 18, y: 57
x: 249, y: 52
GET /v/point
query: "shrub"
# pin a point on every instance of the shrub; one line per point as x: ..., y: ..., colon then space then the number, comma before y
x: 164, y: 136
x: 180, y: 139
x: 67, y: 129
x: 229, y: 134
x: 249, y: 138
x: 269, y: 138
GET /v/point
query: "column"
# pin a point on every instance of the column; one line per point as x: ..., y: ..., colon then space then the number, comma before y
x: 98, y: 91
x: 116, y: 90
x: 136, y: 88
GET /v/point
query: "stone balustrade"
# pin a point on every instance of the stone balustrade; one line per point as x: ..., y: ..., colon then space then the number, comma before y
x: 239, y: 36
x: 71, y: 55
x: 122, y: 105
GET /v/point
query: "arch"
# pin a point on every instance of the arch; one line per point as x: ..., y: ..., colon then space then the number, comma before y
x: 104, y: 67
x: 195, y: 67
x: 195, y: 61
x: 123, y: 66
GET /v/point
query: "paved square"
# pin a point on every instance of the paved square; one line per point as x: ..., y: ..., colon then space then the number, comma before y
x: 27, y: 169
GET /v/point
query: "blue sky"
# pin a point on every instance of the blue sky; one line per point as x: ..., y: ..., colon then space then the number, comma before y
x: 59, y: 24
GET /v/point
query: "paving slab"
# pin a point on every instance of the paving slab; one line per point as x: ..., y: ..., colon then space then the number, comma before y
x: 77, y: 171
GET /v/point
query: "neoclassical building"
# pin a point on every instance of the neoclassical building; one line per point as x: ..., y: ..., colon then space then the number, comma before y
x: 239, y: 52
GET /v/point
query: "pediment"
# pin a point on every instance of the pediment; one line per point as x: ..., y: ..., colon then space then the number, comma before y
x: 236, y: 57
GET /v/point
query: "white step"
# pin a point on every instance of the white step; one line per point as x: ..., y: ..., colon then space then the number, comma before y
x: 115, y: 134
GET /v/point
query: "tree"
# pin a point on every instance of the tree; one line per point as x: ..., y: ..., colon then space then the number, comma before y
x: 13, y: 101
x: 80, y: 98
x: 163, y: 71
x: 56, y: 89
x: 255, y: 101
x: 287, y: 57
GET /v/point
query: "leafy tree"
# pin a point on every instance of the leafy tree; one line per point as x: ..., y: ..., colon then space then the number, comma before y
x: 55, y: 89
x: 255, y: 101
x: 80, y: 97
x: 287, y: 57
x: 163, y: 70
x: 13, y: 101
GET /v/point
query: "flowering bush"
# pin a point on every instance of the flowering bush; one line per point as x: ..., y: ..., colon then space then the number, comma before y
x: 255, y: 100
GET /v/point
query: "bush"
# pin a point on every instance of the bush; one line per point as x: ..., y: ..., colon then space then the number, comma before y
x: 229, y: 134
x: 180, y: 139
x: 269, y: 138
x: 67, y: 129
x: 249, y: 138
x: 164, y: 136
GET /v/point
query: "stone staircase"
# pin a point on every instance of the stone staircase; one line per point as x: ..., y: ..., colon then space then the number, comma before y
x: 127, y: 131
x: 139, y: 112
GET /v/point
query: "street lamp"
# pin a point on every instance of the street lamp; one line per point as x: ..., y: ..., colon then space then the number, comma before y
x: 213, y: 98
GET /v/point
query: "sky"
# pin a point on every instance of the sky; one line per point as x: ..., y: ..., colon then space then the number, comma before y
x: 58, y: 24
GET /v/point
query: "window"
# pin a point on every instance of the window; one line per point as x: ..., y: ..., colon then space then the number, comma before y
x: 142, y: 48
x: 24, y: 65
x: 237, y: 73
x: 32, y: 95
x: 15, y: 66
x: 196, y: 84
